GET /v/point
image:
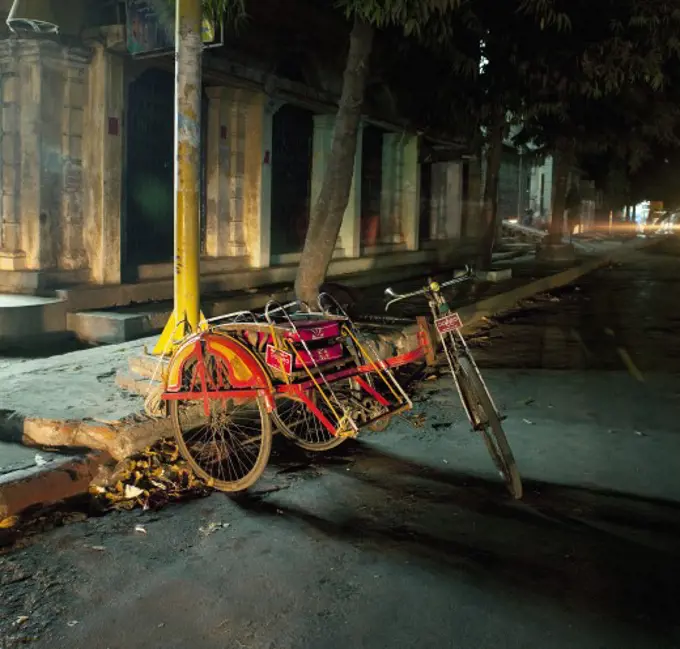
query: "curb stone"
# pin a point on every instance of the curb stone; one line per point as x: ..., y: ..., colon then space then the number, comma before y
x: 28, y: 488
x: 117, y: 440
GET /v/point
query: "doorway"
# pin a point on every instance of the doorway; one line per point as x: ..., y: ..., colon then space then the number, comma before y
x: 292, y: 137
x: 371, y: 184
x: 149, y: 164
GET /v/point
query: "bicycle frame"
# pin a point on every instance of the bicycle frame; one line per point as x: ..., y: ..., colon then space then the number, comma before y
x: 449, y: 334
x: 454, y: 344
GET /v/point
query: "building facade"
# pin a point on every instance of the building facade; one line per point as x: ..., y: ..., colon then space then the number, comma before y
x: 87, y: 161
x: 540, y: 184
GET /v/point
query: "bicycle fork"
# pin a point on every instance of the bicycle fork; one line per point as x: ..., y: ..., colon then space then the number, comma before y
x: 454, y: 345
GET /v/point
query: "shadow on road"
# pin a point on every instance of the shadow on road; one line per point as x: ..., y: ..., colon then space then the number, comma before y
x: 600, y: 553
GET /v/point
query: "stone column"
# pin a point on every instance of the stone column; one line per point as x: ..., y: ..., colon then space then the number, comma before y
x: 438, y: 204
x: 447, y: 200
x: 258, y: 177
x: 400, y: 191
x: 73, y: 255
x: 36, y: 218
x: 11, y: 253
x: 103, y: 165
x: 390, y: 191
x: 43, y: 100
x: 454, y: 200
x: 238, y: 170
x: 349, y: 239
x: 473, y: 201
x: 225, y: 234
x: 409, y: 190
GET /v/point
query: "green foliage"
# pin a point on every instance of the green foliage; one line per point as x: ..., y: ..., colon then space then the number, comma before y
x: 614, y: 100
x: 233, y: 12
x: 592, y: 74
x: 411, y: 15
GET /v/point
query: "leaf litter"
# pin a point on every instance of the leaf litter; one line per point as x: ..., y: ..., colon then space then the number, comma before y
x: 150, y: 480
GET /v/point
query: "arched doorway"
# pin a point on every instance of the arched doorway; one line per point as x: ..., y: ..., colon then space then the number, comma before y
x: 292, y: 136
x: 149, y: 170
x: 371, y: 184
x: 149, y: 199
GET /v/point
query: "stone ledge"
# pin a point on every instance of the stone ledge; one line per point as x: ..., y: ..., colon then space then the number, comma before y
x: 22, y: 490
x: 120, y: 439
x: 107, y: 327
x: 494, y: 276
x: 555, y: 252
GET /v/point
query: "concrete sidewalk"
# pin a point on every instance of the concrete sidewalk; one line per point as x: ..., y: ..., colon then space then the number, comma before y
x: 72, y: 403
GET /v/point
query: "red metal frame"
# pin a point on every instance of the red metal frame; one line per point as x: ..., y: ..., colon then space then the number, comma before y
x: 251, y: 379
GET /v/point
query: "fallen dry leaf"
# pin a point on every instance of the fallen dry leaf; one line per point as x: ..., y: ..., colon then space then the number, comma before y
x: 417, y: 421
x: 6, y: 523
x: 132, y: 492
x: 212, y: 527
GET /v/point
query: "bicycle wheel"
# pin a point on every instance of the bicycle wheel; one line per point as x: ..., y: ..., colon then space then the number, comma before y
x: 487, y: 420
x: 298, y: 423
x: 228, y: 449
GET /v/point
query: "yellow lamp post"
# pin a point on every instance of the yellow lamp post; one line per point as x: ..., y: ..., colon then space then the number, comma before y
x: 186, y: 316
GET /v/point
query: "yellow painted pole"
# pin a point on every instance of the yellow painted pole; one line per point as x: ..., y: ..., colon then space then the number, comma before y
x: 188, y: 53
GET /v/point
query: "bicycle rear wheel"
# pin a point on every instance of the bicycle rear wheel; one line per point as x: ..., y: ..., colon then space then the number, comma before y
x: 489, y: 424
x: 229, y: 448
x: 295, y: 421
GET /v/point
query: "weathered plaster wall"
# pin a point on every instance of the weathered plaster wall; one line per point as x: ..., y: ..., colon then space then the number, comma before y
x: 103, y: 165
x: 43, y: 101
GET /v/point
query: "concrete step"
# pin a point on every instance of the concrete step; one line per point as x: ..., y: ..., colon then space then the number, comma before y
x: 24, y: 317
x: 135, y: 384
x: 147, y: 365
x: 129, y: 323
x: 109, y: 327
x: 155, y: 290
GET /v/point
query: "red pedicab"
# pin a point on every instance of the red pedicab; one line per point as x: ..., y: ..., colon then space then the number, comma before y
x: 312, y: 375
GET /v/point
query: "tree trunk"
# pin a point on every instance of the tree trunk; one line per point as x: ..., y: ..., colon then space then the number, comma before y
x: 490, y: 203
x: 562, y: 165
x: 329, y: 209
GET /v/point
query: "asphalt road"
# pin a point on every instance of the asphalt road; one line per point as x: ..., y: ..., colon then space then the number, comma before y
x: 407, y: 539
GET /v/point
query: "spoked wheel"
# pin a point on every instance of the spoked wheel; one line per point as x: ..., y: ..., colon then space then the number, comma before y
x: 489, y: 425
x: 298, y: 423
x: 228, y: 449
x: 294, y: 419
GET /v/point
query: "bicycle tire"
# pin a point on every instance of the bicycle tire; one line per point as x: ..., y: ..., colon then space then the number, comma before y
x: 208, y: 471
x: 477, y: 396
x: 325, y: 441
x: 227, y: 486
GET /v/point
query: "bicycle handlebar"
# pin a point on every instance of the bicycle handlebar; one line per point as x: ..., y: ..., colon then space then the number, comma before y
x: 396, y: 297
